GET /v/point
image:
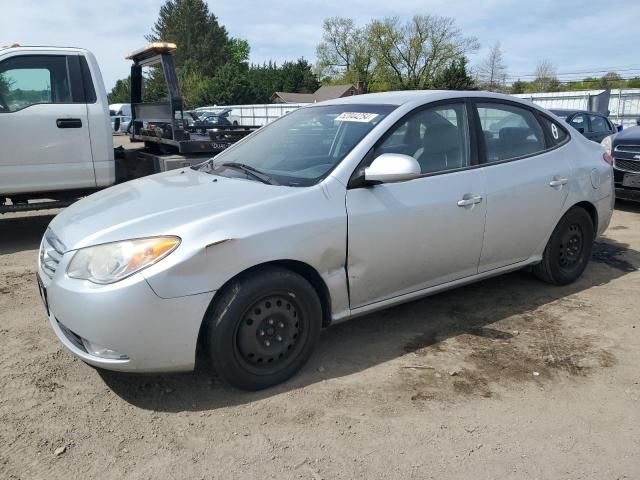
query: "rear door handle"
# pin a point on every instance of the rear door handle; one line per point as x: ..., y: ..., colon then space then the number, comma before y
x: 69, y: 123
x: 465, y: 202
x: 558, y: 182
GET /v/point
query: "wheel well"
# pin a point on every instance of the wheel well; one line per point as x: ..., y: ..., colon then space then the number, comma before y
x: 305, y: 270
x: 591, y: 210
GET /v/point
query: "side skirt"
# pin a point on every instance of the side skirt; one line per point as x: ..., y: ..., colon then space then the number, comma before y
x: 391, y: 302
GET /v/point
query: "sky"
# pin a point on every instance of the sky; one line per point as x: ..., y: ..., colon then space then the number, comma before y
x: 575, y: 35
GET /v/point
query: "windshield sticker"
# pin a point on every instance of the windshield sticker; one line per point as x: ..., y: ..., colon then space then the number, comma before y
x: 363, y: 117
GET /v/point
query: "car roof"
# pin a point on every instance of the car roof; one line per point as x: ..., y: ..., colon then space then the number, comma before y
x: 398, y: 98
x: 568, y: 111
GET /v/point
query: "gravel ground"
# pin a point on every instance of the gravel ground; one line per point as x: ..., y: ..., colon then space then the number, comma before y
x: 507, y: 378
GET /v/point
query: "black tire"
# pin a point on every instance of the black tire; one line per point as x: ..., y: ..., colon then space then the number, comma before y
x: 262, y: 328
x: 235, y: 123
x: 569, y: 249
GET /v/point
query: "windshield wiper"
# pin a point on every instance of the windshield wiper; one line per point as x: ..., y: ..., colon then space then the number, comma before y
x: 254, y: 172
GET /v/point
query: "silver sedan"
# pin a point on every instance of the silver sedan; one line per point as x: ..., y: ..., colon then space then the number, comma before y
x: 335, y: 210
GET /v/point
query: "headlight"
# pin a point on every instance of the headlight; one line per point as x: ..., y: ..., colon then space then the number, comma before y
x: 607, y: 143
x: 112, y: 262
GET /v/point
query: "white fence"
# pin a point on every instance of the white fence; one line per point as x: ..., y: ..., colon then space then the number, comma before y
x: 256, y: 114
x: 624, y: 104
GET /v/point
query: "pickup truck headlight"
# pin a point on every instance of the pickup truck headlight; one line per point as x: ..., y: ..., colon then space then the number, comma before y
x: 112, y: 262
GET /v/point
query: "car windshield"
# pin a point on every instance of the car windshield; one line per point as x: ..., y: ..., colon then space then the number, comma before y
x: 302, y: 147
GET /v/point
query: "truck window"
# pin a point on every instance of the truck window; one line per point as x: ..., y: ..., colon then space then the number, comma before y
x: 30, y: 80
x: 89, y: 90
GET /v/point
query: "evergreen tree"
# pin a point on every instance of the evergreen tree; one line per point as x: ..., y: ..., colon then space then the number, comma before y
x: 454, y: 76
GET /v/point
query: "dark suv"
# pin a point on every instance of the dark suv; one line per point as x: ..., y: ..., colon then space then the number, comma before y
x: 625, y: 149
x: 592, y: 125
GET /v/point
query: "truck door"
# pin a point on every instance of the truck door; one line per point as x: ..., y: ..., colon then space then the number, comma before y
x: 44, y: 132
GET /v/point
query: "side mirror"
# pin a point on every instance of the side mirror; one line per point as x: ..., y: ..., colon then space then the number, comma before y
x: 580, y: 129
x: 392, y: 167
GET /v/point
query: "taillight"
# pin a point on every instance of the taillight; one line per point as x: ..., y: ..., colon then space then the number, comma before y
x: 606, y: 156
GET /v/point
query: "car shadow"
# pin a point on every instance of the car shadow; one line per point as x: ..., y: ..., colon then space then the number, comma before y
x: 359, y: 344
x: 19, y: 234
x: 628, y: 206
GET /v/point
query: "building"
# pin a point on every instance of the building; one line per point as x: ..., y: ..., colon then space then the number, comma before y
x: 328, y: 92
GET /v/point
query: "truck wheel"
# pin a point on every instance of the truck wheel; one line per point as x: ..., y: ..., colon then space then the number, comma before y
x: 263, y: 328
x: 235, y: 123
x: 569, y: 249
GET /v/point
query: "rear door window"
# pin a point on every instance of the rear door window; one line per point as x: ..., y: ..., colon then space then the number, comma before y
x: 579, y: 122
x: 509, y: 132
x: 556, y: 132
x: 598, y: 124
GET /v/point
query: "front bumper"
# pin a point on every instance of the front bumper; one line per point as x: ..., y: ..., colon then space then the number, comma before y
x: 622, y: 192
x: 154, y: 334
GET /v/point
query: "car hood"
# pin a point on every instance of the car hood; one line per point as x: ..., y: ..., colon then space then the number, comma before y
x: 628, y: 136
x: 161, y: 204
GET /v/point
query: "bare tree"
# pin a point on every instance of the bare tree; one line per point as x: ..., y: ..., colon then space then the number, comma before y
x: 492, y: 72
x: 546, y: 78
x: 415, y: 51
x: 345, y: 51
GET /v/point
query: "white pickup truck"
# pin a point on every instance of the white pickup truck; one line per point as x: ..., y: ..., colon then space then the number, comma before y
x: 56, y: 134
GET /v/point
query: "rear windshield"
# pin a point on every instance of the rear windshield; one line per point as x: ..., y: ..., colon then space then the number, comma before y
x: 304, y: 146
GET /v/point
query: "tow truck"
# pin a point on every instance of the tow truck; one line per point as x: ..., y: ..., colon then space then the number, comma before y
x: 55, y: 129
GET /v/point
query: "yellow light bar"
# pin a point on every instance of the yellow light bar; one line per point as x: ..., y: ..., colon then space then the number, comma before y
x: 155, y: 47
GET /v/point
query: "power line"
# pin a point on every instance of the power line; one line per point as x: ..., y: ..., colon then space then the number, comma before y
x: 620, y: 68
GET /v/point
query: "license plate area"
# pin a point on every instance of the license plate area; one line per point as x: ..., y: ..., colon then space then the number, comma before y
x: 631, y: 181
x: 43, y: 294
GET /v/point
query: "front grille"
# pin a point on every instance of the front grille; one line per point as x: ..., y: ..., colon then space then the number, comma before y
x: 627, y: 165
x: 627, y: 148
x: 51, y: 252
x: 73, y: 337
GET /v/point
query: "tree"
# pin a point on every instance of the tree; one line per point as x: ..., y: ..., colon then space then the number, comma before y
x: 203, y: 44
x: 414, y: 52
x: 229, y: 86
x: 345, y: 52
x: 5, y: 84
x: 492, y: 72
x: 633, y: 83
x: 519, y: 86
x: 121, y: 92
x: 297, y: 77
x: 546, y: 79
x: 454, y: 77
x: 611, y: 80
x: 268, y: 78
x: 239, y: 49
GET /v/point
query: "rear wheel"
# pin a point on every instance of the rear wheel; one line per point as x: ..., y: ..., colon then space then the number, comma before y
x: 568, y: 250
x: 263, y: 328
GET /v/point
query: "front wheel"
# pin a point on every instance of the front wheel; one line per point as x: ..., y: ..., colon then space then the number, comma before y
x: 568, y: 250
x: 263, y: 328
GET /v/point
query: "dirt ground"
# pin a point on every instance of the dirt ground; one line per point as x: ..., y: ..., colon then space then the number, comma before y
x: 508, y: 378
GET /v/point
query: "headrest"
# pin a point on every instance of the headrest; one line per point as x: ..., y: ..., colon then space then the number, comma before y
x: 441, y: 137
x: 514, y: 134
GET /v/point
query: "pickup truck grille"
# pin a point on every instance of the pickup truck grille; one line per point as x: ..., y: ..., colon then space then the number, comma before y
x: 627, y: 165
x: 627, y: 148
x: 51, y: 251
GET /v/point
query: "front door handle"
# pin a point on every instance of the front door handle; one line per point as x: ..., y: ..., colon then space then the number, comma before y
x: 69, y: 123
x: 558, y: 182
x: 468, y: 200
